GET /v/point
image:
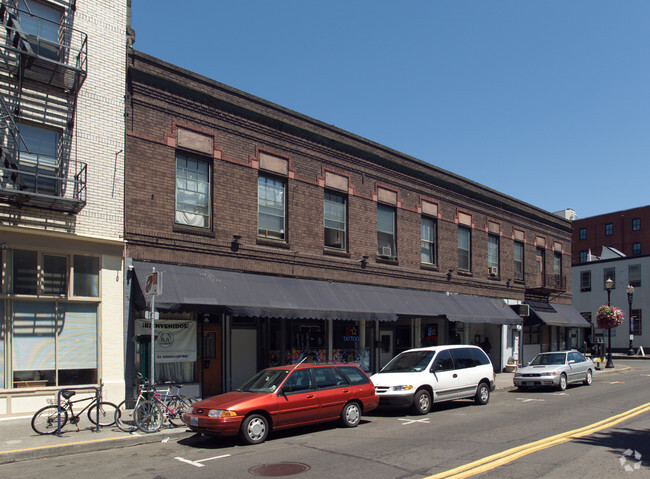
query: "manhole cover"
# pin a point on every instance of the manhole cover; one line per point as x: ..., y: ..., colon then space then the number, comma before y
x: 279, y: 469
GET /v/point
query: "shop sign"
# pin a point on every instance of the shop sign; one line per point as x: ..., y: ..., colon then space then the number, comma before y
x: 175, y: 339
x: 351, y: 334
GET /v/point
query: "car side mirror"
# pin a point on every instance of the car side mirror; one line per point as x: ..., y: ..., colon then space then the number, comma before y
x: 285, y: 389
x: 572, y: 361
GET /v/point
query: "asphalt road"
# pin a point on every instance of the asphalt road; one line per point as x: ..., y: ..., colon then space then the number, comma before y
x: 524, y: 432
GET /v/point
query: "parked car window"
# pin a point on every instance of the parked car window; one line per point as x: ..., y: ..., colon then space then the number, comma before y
x: 577, y: 357
x: 464, y: 358
x: 480, y: 357
x: 300, y: 380
x: 413, y: 361
x: 354, y: 375
x: 264, y: 381
x: 443, y: 361
x: 328, y: 378
x: 553, y: 358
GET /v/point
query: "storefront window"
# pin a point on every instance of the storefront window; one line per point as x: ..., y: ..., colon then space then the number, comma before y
x: 34, y: 327
x: 350, y: 344
x: 429, y: 335
x: 46, y: 342
x: 305, y: 339
x: 25, y: 272
x: 86, y: 276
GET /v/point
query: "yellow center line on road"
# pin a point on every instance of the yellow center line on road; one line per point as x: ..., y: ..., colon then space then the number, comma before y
x: 509, y: 455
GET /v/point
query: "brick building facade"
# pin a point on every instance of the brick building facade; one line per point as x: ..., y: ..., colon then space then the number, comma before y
x: 62, y: 83
x: 223, y: 188
x: 628, y: 231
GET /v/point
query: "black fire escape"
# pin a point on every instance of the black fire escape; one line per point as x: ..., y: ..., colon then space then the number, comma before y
x: 42, y: 68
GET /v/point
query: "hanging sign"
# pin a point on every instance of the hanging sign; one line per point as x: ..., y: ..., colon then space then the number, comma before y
x: 175, y: 339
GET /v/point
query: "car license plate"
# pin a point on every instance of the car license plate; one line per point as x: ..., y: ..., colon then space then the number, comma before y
x: 194, y: 421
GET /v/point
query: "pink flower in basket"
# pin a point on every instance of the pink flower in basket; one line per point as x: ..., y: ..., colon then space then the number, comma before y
x: 609, y: 317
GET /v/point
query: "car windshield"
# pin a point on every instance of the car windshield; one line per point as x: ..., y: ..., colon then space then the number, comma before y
x: 265, y: 381
x: 409, y: 362
x: 548, y: 359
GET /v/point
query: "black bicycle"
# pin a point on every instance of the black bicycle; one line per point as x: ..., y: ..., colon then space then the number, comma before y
x: 46, y: 420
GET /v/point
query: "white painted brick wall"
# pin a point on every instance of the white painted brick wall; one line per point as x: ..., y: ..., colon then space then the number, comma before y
x: 99, y: 128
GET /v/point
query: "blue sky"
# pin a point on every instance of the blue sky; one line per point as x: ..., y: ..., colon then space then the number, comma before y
x: 546, y: 101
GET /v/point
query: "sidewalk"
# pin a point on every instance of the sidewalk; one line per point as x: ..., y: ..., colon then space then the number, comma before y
x: 18, y: 442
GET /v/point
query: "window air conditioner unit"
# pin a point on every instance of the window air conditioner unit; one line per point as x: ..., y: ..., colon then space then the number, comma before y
x: 494, y: 270
x: 385, y: 251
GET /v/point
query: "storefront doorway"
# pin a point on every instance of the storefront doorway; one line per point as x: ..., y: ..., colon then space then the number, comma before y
x: 385, y: 346
x: 209, y: 362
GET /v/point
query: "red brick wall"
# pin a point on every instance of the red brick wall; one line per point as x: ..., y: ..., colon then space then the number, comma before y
x: 155, y: 109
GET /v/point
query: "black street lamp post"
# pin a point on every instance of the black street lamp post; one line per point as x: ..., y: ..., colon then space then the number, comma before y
x: 630, y: 295
x: 609, y: 284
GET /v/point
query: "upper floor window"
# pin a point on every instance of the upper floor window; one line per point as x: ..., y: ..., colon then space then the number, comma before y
x: 493, y: 255
x: 271, y: 208
x: 192, y: 191
x: 582, y: 233
x: 519, y: 260
x: 386, y: 244
x: 428, y: 241
x: 609, y: 229
x: 634, y: 274
x: 335, y: 221
x: 582, y: 257
x: 636, y: 224
x: 636, y: 249
x: 41, y: 27
x: 38, y: 161
x: 585, y: 281
x: 464, y: 249
x: 557, y: 264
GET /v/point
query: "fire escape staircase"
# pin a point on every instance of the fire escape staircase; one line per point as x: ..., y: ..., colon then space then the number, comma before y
x: 40, y: 81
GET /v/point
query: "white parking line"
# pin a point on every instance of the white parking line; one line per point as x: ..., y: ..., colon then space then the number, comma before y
x: 529, y: 399
x: 411, y: 421
x: 198, y: 463
x: 617, y: 382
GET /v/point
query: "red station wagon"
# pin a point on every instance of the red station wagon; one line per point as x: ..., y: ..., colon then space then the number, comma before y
x: 286, y: 396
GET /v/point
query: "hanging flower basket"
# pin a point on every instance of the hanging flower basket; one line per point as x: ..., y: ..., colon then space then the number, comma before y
x: 609, y: 317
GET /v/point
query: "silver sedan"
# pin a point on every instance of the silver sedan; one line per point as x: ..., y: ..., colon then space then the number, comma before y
x: 555, y: 369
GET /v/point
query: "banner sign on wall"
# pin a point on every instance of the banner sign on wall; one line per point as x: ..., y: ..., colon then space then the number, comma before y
x: 175, y: 339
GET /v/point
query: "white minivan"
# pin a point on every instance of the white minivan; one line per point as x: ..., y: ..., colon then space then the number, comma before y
x: 419, y: 377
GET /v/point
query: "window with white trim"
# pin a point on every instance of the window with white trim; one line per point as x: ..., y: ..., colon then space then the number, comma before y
x: 271, y: 208
x: 335, y: 221
x: 192, y: 191
x: 386, y: 243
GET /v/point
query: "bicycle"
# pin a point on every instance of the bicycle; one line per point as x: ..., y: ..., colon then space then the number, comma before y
x: 175, y: 405
x: 124, y: 414
x: 150, y: 414
x: 48, y: 419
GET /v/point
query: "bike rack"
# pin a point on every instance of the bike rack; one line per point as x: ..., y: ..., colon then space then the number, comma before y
x: 98, y: 396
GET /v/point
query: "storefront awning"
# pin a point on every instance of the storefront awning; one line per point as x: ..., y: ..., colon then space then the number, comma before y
x: 556, y: 315
x: 255, y: 295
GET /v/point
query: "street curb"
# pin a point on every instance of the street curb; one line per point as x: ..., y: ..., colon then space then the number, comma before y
x: 128, y: 440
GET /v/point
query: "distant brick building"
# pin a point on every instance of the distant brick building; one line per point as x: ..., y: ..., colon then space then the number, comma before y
x: 281, y: 237
x: 628, y: 231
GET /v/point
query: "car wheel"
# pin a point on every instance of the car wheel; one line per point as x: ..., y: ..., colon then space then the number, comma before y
x: 562, y: 384
x: 254, y: 429
x: 589, y: 378
x: 422, y: 402
x: 482, y: 394
x: 351, y: 415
